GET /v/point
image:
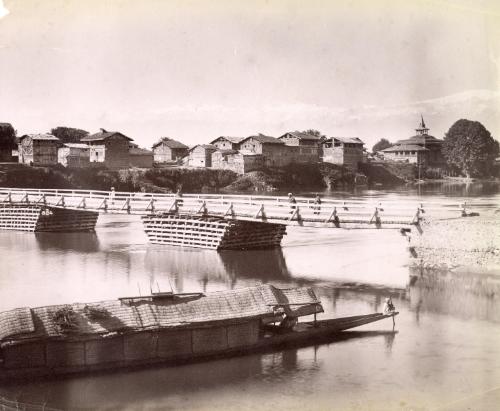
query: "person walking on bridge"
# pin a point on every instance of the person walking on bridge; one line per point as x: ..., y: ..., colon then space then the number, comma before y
x: 292, y: 202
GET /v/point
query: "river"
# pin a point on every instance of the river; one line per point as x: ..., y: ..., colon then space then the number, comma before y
x: 446, y: 347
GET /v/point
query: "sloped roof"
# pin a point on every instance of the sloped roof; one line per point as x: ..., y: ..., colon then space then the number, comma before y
x: 47, y: 137
x: 142, y: 313
x: 404, y: 147
x: 421, y: 139
x: 264, y: 139
x: 349, y: 140
x: 167, y: 141
x: 205, y: 146
x: 302, y: 136
x: 234, y: 140
x: 103, y: 135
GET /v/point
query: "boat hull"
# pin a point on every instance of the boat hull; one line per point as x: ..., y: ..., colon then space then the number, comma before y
x: 146, y: 349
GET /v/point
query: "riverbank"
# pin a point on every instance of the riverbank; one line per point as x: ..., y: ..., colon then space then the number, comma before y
x: 460, y: 244
x: 295, y: 177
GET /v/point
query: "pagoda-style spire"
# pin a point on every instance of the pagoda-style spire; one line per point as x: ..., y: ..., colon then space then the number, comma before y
x: 421, y: 129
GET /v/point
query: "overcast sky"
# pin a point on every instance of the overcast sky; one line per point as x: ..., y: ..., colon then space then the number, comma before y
x: 195, y: 70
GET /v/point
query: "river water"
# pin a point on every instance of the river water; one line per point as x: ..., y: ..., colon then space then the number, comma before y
x: 446, y: 348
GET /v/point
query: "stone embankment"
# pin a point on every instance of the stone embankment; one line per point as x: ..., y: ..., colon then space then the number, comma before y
x: 464, y: 243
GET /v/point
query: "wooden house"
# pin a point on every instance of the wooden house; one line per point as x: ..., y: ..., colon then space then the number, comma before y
x: 74, y: 155
x: 273, y: 150
x: 227, y: 143
x: 307, y: 146
x: 240, y: 162
x: 38, y: 149
x: 422, y: 149
x: 140, y: 157
x: 201, y: 155
x: 168, y: 150
x: 110, y: 148
x: 347, y: 151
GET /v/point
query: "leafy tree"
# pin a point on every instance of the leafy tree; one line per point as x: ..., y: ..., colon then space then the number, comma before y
x: 381, y: 145
x: 7, y: 137
x: 469, y: 147
x: 316, y: 133
x: 68, y: 134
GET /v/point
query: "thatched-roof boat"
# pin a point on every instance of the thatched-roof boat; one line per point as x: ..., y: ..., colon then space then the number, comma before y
x: 160, y: 328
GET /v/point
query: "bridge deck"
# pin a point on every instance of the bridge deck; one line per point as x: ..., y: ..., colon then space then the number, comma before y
x: 273, y: 209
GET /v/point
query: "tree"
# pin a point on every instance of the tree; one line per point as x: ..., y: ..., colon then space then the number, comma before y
x: 381, y: 145
x: 316, y: 133
x: 469, y: 147
x: 7, y: 136
x: 68, y: 134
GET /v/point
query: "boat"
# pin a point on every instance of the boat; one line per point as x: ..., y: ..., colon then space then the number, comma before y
x: 161, y: 328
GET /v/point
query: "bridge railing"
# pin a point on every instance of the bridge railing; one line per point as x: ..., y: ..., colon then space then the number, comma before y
x: 251, y: 207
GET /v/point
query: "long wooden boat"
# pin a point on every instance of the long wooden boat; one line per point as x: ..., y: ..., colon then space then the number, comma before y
x: 160, y: 328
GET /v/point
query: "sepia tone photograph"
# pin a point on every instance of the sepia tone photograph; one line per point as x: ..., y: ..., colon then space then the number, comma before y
x: 250, y: 205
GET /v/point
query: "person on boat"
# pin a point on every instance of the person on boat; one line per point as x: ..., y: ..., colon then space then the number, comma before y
x: 389, y: 306
x: 292, y: 202
x: 288, y: 322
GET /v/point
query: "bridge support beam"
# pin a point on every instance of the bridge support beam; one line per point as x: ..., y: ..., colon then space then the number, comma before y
x: 212, y: 232
x: 27, y: 217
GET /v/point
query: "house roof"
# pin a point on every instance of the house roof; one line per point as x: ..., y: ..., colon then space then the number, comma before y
x: 205, y: 146
x: 302, y: 136
x: 234, y: 140
x: 264, y: 139
x: 404, y: 147
x: 103, y: 135
x: 141, y: 313
x: 47, y: 137
x: 166, y: 141
x: 349, y: 140
x: 421, y: 139
x: 136, y: 151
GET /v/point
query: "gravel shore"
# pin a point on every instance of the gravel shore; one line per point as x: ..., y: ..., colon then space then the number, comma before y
x: 462, y: 243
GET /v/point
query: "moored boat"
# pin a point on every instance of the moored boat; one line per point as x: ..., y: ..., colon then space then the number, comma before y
x: 160, y: 328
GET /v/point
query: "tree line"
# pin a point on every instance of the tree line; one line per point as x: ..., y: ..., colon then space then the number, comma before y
x: 468, y: 148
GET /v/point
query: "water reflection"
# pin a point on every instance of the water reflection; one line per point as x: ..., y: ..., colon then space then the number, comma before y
x: 86, y: 242
x: 465, y: 295
x: 172, y: 386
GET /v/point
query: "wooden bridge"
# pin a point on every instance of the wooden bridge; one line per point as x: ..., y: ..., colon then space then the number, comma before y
x: 208, y: 220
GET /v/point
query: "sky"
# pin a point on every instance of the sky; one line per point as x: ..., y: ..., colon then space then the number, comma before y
x: 196, y: 70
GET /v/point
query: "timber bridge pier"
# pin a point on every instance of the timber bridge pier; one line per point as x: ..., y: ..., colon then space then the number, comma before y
x: 209, y: 220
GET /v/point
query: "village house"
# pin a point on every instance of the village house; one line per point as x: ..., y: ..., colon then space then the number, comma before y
x: 227, y: 143
x: 74, y: 155
x: 167, y: 150
x: 274, y: 152
x: 420, y: 149
x: 110, y: 148
x: 307, y: 147
x: 201, y: 155
x: 38, y: 149
x: 346, y: 151
x: 240, y: 162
